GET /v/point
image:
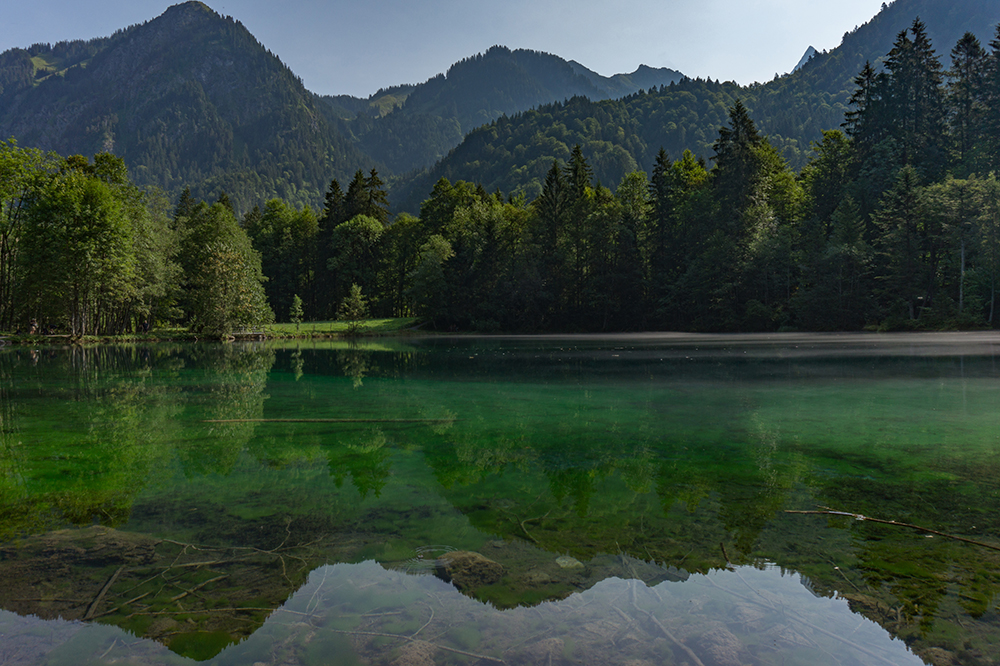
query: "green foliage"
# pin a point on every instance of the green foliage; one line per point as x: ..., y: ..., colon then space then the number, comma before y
x: 353, y: 309
x: 428, y: 286
x: 95, y: 252
x: 22, y: 171
x: 356, y: 250
x: 223, y: 277
x: 286, y: 240
x: 77, y: 252
x: 401, y: 245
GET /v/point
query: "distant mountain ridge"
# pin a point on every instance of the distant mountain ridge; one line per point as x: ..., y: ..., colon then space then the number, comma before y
x: 420, y: 124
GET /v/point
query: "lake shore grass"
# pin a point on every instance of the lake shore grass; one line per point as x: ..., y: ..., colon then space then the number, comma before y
x: 283, y: 331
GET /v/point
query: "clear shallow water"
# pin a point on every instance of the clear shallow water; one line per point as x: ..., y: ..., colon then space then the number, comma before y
x: 625, y: 498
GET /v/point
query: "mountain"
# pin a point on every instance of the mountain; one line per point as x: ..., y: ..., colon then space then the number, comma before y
x: 188, y: 99
x: 513, y: 154
x: 412, y: 127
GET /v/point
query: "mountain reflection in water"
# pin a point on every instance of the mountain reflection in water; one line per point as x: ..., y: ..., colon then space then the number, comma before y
x: 740, y: 616
x: 589, y: 500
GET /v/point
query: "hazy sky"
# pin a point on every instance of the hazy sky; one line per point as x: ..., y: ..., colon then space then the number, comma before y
x: 359, y: 46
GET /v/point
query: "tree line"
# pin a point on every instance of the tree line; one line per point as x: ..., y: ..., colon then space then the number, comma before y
x: 894, y: 223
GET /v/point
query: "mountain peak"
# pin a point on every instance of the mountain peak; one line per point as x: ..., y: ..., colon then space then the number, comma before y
x: 186, y: 13
x: 190, y: 6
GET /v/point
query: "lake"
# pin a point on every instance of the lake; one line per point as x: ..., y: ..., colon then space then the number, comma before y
x: 634, y: 499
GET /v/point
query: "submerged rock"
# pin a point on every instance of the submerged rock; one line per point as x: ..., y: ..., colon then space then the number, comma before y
x: 545, y: 651
x: 567, y: 562
x: 467, y: 570
x: 938, y: 657
x: 416, y: 653
x: 536, y: 577
x: 870, y: 607
x: 721, y: 646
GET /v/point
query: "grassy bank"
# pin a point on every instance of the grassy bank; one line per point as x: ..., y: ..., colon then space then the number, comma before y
x: 336, y: 329
x: 305, y: 330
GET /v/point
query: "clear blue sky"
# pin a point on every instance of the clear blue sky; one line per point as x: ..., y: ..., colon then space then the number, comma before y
x: 359, y: 46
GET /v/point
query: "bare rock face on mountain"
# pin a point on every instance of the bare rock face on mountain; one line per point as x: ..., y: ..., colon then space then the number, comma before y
x: 806, y: 57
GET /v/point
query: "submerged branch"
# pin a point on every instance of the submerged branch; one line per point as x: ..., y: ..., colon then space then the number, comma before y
x: 328, y: 420
x: 858, y: 516
x: 100, y: 597
x: 197, y: 587
x: 663, y: 629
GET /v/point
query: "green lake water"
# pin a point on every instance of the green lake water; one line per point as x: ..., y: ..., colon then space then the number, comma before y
x: 538, y: 500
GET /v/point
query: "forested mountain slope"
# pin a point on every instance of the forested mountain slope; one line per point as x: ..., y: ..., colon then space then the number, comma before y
x: 514, y: 153
x: 189, y: 99
x: 432, y: 118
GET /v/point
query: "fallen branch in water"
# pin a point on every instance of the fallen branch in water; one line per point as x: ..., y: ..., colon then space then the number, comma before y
x: 725, y: 554
x: 203, y: 611
x: 197, y: 587
x: 666, y: 632
x: 532, y: 520
x: 328, y: 420
x: 678, y: 642
x: 858, y: 516
x: 100, y: 597
x: 121, y: 606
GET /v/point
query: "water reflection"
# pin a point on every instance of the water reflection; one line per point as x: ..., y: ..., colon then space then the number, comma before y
x: 363, y: 613
x: 185, y: 493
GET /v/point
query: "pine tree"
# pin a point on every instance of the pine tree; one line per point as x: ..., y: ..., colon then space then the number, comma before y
x: 333, y: 203
x: 966, y: 88
x: 991, y: 111
x: 866, y: 122
x: 224, y: 200
x: 323, y: 305
x: 904, y: 273
x: 551, y: 208
x: 916, y: 108
x: 354, y: 200
x: 377, y: 198
x: 661, y: 239
x: 736, y: 162
x: 185, y: 205
x: 578, y: 174
x: 366, y: 195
